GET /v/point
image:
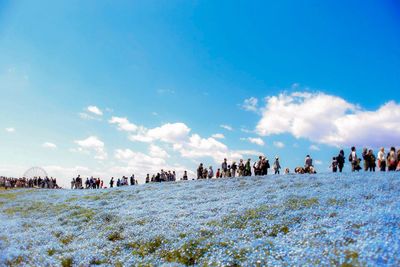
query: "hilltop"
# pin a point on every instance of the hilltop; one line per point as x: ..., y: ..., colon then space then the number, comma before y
x: 324, y: 219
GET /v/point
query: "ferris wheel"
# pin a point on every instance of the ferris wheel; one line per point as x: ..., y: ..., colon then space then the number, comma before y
x: 35, y: 172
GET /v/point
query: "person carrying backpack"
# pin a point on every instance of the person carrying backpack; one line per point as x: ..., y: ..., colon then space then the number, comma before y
x: 355, y: 161
x: 366, y: 159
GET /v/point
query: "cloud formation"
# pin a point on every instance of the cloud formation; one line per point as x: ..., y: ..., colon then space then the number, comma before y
x: 49, y: 145
x: 330, y: 120
x: 250, y: 104
x: 123, y: 124
x: 226, y: 127
x: 10, y: 130
x: 95, y: 110
x: 279, y: 144
x: 254, y: 140
x: 92, y: 144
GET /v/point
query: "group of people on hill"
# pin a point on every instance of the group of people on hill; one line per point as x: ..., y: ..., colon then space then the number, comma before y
x: 384, y: 161
x: 97, y: 183
x: 259, y: 168
x: 36, y: 182
x: 164, y: 176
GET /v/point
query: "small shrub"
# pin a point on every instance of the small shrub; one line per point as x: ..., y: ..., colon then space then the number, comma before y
x: 115, y: 236
x: 66, y: 262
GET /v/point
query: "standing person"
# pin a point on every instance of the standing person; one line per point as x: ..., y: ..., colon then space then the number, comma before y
x: 73, y: 183
x: 247, y: 168
x: 7, y: 184
x: 185, y: 176
x: 210, y: 172
x: 371, y: 161
x: 200, y: 171
x: 365, y: 157
x: 340, y: 160
x: 132, y: 179
x: 233, y: 169
x: 277, y: 165
x: 381, y: 160
x: 224, y: 168
x: 265, y: 166
x: 334, y: 164
x: 147, y: 179
x: 102, y: 184
x: 308, y: 163
x: 241, y: 168
x: 218, y: 173
x: 112, y: 182
x: 355, y: 164
x: 392, y: 159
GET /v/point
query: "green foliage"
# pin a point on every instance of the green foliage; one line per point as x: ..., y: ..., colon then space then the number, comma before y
x: 301, y: 203
x: 51, y: 252
x: 188, y: 254
x: 67, y: 262
x: 115, y: 236
x: 66, y: 239
x: 146, y: 248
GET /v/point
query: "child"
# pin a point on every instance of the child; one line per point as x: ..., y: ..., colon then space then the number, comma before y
x: 334, y: 164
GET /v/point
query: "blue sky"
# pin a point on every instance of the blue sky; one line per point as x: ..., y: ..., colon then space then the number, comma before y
x: 159, y: 63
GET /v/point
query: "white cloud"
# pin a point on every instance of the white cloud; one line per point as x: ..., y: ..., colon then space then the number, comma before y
x: 226, y: 127
x: 279, y: 144
x: 330, y: 120
x: 10, y: 130
x: 92, y: 144
x: 169, y: 133
x: 218, y: 136
x: 254, y: 140
x: 250, y: 104
x: 95, y: 110
x: 156, y: 151
x: 49, y: 145
x: 123, y: 124
x: 314, y: 147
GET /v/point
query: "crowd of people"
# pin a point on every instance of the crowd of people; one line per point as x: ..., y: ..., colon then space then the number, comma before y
x: 97, y: 183
x: 384, y: 161
x: 36, y: 182
x: 259, y: 168
x: 389, y: 161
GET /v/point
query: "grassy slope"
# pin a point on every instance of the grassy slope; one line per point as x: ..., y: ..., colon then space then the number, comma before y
x: 301, y: 220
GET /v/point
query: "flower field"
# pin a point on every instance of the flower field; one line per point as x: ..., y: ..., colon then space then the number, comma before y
x: 300, y: 220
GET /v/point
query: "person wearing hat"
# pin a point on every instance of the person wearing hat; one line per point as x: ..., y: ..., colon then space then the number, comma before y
x: 277, y: 165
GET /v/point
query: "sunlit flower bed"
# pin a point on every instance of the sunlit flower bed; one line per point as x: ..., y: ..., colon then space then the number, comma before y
x: 325, y: 219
